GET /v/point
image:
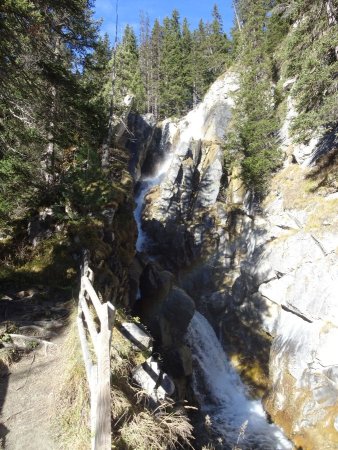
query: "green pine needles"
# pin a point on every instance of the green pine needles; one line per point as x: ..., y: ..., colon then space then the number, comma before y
x: 310, y: 53
x: 255, y: 128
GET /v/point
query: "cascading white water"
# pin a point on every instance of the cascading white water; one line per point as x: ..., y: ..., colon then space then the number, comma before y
x: 223, y: 399
x: 146, y: 183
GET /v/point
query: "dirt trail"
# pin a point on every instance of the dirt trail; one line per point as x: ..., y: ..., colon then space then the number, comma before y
x: 29, y: 391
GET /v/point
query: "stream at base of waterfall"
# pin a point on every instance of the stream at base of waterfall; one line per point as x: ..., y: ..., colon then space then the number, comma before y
x: 223, y: 397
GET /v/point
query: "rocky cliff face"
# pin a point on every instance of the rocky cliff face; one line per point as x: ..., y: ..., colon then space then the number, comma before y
x: 266, y: 276
x: 174, y: 214
x: 288, y: 279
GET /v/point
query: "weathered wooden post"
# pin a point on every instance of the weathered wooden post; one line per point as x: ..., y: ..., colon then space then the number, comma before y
x: 103, y: 406
x: 98, y: 375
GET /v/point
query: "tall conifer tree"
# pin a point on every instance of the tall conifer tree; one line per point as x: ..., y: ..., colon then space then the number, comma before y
x: 201, y: 79
x: 172, y: 89
x: 256, y: 127
x: 219, y: 45
x: 156, y: 56
x: 145, y: 62
x: 128, y: 74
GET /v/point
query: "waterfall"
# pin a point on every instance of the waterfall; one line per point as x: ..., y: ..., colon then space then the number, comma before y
x: 223, y: 398
x: 146, y: 183
x: 224, y: 402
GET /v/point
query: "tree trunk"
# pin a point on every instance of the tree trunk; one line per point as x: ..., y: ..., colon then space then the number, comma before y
x: 237, y: 18
x: 48, y: 158
x: 331, y: 13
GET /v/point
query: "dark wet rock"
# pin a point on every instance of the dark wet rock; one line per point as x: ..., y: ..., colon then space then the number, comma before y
x: 177, y: 361
x: 135, y: 270
x: 141, y: 138
x: 219, y: 301
x: 155, y: 283
x: 178, y: 310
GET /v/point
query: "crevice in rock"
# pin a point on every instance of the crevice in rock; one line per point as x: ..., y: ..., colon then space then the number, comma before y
x: 296, y: 313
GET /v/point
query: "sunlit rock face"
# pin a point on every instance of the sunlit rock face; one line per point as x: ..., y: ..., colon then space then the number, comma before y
x: 287, y: 286
x: 192, y: 183
x: 193, y: 179
x: 272, y: 270
x: 288, y: 280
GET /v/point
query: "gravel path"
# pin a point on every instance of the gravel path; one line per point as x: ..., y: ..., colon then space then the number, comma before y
x: 28, y: 412
x: 29, y: 390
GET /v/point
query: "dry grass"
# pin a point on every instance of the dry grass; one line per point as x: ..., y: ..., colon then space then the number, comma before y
x: 325, y: 172
x: 325, y: 214
x: 140, y: 428
x: 149, y: 431
x: 73, y: 414
x: 296, y: 189
x: 134, y: 426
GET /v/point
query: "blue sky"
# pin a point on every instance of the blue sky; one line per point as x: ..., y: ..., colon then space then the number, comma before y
x: 129, y: 12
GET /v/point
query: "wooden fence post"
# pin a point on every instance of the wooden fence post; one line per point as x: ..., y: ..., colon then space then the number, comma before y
x: 98, y: 375
x: 93, y: 404
x: 103, y: 406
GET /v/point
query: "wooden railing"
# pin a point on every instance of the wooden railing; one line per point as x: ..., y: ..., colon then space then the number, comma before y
x: 95, y: 330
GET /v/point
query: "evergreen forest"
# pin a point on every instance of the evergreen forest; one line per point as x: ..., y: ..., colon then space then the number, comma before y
x: 88, y: 123
x: 61, y: 82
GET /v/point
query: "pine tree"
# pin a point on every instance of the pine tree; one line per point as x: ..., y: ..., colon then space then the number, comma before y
x: 200, y: 57
x: 172, y: 88
x: 211, y: 54
x: 128, y: 74
x: 156, y: 55
x: 187, y: 45
x: 145, y: 62
x: 219, y: 45
x: 310, y: 53
x: 41, y: 108
x: 96, y: 82
x: 256, y: 127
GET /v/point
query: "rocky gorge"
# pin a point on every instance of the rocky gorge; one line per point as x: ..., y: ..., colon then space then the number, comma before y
x: 263, y: 275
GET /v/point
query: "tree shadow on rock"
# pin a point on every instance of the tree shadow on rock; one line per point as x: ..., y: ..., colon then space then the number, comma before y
x: 325, y: 171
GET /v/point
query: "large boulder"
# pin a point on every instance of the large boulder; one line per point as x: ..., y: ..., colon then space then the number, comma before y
x: 177, y: 312
x: 155, y: 284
